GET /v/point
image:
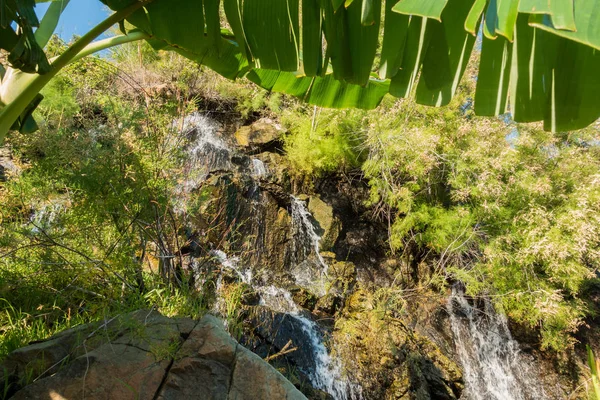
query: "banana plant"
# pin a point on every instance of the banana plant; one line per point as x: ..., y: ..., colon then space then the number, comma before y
x: 30, y: 71
x: 593, y: 363
x: 539, y: 58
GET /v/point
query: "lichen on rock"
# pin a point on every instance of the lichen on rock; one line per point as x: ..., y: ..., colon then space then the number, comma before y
x: 144, y: 355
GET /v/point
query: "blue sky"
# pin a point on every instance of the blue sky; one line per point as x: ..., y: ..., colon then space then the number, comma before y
x: 78, y: 18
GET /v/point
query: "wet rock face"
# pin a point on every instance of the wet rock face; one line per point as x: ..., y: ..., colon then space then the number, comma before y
x: 362, y: 237
x: 274, y: 330
x: 144, y: 355
x: 329, y: 225
x: 232, y: 209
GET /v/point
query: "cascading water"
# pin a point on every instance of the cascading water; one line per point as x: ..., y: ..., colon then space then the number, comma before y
x: 43, y: 218
x: 208, y: 152
x: 493, y: 366
x: 308, y: 266
x: 259, y: 170
x: 205, y: 152
x: 231, y: 264
x: 327, y: 373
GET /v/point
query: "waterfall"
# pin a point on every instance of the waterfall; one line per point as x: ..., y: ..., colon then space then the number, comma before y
x: 493, y: 366
x: 327, y: 374
x: 231, y: 264
x: 308, y: 266
x: 304, y: 233
x: 44, y: 218
x: 205, y: 151
x: 259, y: 170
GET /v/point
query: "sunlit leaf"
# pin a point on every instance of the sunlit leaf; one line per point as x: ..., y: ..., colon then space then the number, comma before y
x: 474, y: 16
x: 575, y: 102
x: 322, y: 91
x: 531, y: 72
x: 494, y: 75
x: 233, y: 11
x: 587, y: 21
x: 312, y: 37
x: 417, y: 41
x: 423, y: 8
x: 367, y: 15
x: 500, y: 18
x: 447, y: 55
x: 394, y: 39
x: 272, y: 32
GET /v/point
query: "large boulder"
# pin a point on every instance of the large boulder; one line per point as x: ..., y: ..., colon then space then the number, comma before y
x: 259, y: 135
x: 144, y: 355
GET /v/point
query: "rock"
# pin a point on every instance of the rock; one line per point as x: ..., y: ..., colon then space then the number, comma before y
x: 329, y: 224
x: 144, y: 355
x: 426, y: 380
x: 250, y: 297
x: 7, y: 166
x: 406, y: 365
x: 329, y: 304
x: 260, y: 134
x: 303, y: 298
x: 279, y: 170
x: 272, y: 332
x: 303, y: 197
x: 342, y: 272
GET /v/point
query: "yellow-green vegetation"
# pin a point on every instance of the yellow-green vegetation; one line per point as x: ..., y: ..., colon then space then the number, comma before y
x: 388, y: 356
x: 326, y: 141
x: 88, y: 228
x: 509, y: 209
x: 593, y: 363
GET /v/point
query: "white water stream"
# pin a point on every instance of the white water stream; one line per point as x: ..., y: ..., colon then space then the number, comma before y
x: 327, y: 374
x: 259, y: 170
x: 205, y: 151
x: 308, y: 266
x: 493, y: 366
x: 44, y: 217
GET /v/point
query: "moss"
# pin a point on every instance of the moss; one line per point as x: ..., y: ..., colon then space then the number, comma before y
x: 390, y: 360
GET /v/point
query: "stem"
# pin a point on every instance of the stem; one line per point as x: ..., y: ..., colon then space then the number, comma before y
x: 109, y: 42
x: 13, y: 110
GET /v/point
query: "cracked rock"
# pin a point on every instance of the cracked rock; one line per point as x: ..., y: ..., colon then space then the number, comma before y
x: 143, y: 355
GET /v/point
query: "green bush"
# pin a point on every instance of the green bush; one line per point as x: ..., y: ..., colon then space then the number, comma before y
x: 323, y: 142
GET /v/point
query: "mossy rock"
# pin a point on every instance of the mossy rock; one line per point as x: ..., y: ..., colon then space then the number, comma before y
x: 258, y: 134
x: 304, y: 298
x: 343, y: 271
x: 150, y: 357
x: 329, y: 224
x: 278, y: 167
x: 329, y: 304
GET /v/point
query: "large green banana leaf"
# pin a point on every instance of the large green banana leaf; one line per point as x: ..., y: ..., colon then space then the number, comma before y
x: 540, y: 59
